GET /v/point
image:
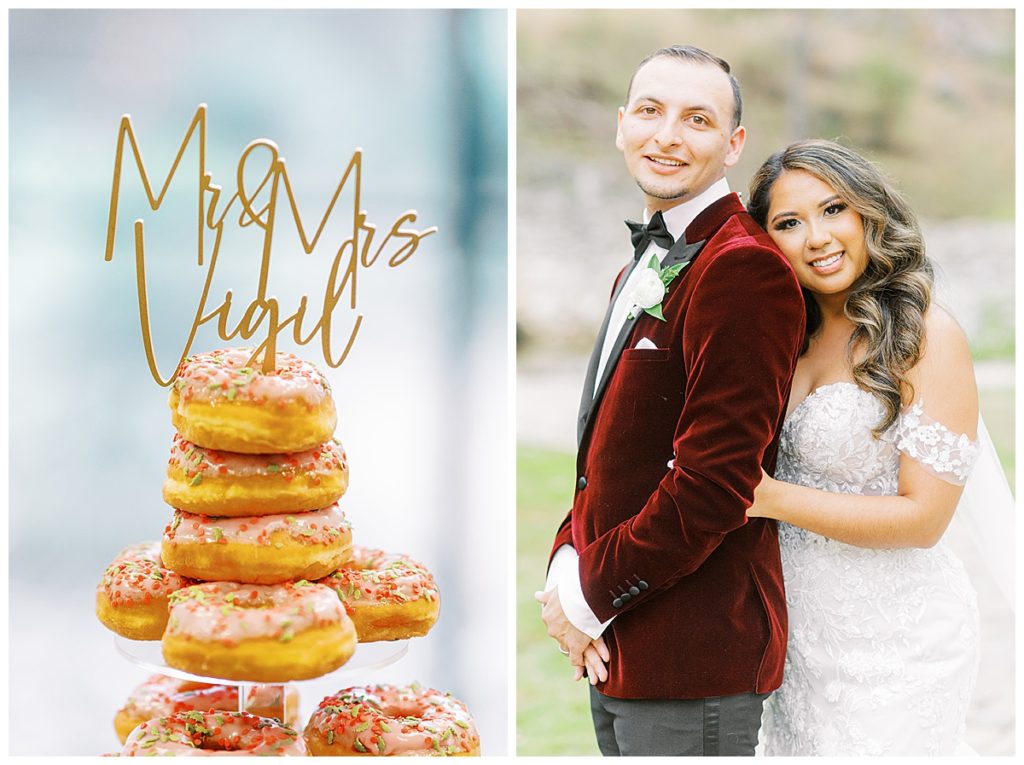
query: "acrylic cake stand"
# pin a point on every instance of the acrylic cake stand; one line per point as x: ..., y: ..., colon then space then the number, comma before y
x: 147, y: 654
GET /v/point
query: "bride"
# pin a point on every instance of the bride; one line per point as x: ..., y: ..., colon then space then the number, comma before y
x: 877, y: 444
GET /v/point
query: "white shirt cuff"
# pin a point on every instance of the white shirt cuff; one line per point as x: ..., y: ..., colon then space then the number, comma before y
x: 565, y: 557
x: 564, y: 573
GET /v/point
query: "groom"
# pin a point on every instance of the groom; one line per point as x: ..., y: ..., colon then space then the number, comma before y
x: 659, y: 585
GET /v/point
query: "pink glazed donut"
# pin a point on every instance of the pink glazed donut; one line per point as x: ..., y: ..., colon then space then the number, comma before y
x: 211, y: 482
x: 220, y: 401
x: 261, y: 634
x: 390, y: 720
x: 161, y: 696
x: 263, y: 549
x: 131, y: 598
x: 213, y: 733
x: 388, y: 596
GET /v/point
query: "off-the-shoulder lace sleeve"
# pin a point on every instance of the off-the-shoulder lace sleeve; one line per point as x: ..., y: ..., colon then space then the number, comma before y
x: 946, y: 454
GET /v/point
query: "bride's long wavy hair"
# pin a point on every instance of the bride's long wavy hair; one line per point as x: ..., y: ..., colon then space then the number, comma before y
x: 888, y: 302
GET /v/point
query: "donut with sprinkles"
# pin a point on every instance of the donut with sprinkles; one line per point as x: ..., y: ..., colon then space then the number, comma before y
x: 161, y: 696
x: 392, y: 720
x: 220, y: 401
x: 259, y: 549
x: 213, y: 733
x: 388, y: 596
x: 211, y: 482
x: 258, y: 633
x: 131, y: 598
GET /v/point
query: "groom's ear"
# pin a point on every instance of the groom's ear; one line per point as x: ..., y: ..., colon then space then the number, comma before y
x: 736, y: 143
x: 618, y: 129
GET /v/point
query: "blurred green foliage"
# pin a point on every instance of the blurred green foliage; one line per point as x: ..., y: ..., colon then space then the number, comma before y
x: 994, y: 339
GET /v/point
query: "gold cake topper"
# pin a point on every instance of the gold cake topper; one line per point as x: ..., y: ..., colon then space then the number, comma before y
x: 353, y: 253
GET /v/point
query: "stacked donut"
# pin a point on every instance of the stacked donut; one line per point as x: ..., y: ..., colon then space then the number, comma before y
x: 255, y: 478
x: 256, y: 578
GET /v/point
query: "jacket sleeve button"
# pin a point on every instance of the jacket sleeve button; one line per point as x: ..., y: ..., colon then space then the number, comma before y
x: 617, y: 603
x: 581, y: 483
x: 634, y: 591
x: 642, y: 584
x: 626, y: 597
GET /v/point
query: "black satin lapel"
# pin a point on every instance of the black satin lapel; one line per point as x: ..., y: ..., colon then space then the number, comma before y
x: 587, y: 396
x: 613, y: 358
x: 682, y: 252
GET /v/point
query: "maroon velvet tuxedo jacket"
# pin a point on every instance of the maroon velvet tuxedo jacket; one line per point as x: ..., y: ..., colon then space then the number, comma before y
x: 695, y: 587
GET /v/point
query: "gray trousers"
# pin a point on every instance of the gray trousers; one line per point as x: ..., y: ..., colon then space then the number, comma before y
x: 721, y: 725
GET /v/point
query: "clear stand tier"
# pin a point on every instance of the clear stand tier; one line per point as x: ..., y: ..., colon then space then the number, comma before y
x: 147, y: 654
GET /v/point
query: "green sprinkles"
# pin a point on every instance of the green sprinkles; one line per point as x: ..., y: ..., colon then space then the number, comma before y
x: 197, y: 480
x: 358, y: 746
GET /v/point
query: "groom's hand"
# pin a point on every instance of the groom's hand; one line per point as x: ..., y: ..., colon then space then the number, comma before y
x: 560, y: 628
x: 595, y: 657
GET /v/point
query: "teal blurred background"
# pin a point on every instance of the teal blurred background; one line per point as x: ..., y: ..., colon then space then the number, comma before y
x: 422, y: 397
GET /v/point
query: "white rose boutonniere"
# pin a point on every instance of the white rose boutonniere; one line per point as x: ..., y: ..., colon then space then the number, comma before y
x: 651, y: 287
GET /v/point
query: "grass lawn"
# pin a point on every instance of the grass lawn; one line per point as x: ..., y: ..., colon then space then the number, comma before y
x: 553, y: 712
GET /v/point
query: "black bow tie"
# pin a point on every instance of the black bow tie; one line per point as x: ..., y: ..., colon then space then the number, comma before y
x: 642, y: 235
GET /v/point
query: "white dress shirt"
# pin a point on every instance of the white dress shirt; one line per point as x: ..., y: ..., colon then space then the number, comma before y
x: 564, y: 570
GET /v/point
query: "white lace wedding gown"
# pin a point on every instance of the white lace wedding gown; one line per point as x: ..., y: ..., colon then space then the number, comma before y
x: 883, y: 644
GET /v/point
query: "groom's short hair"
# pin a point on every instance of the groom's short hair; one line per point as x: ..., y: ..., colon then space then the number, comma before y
x: 697, y: 56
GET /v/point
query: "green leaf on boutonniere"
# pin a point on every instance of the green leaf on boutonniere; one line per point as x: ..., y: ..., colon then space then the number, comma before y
x: 655, y: 311
x: 655, y: 263
x: 671, y: 273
